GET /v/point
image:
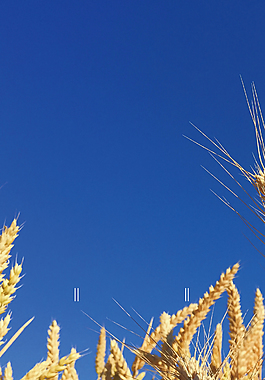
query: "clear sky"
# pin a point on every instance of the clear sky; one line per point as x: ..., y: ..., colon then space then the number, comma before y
x: 95, y: 97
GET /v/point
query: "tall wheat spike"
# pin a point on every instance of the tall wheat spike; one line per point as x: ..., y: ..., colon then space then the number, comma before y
x: 101, y: 351
x: 257, y: 177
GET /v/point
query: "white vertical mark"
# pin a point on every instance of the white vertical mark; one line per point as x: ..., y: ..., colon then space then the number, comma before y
x: 187, y: 294
x: 76, y: 294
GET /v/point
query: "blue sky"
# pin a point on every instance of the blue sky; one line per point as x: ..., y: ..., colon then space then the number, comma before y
x: 95, y: 99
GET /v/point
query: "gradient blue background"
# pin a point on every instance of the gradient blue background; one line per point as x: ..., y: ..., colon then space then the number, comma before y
x: 94, y: 99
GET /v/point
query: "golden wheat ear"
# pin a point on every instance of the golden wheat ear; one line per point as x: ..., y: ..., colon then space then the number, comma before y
x: 216, y: 357
x: 101, y: 352
x: 50, y: 368
x: 257, y: 176
x: 182, y: 341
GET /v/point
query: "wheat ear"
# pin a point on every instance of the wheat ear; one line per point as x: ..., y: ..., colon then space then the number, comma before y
x: 110, y: 368
x: 237, y: 331
x: 6, y: 239
x: 120, y: 362
x: 257, y: 177
x: 53, y: 343
x: 54, y: 368
x: 70, y: 373
x: 138, y: 361
x: 8, y: 372
x: 3, y: 327
x: 182, y: 341
x: 8, y: 286
x: 151, y: 341
x: 101, y: 351
x: 254, y: 345
x: 216, y: 357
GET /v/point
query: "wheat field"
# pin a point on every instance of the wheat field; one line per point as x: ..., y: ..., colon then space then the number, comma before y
x: 166, y: 352
x: 172, y: 358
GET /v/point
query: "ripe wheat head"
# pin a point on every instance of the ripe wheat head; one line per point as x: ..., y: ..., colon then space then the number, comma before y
x: 257, y: 177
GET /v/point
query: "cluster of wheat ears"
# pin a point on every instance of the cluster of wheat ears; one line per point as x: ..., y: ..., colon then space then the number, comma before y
x: 172, y: 359
x: 53, y: 365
